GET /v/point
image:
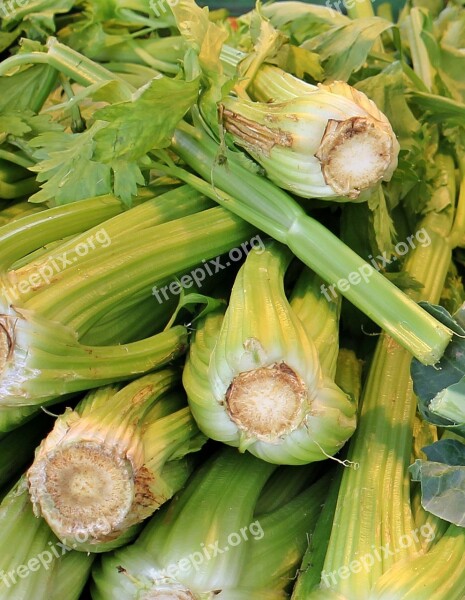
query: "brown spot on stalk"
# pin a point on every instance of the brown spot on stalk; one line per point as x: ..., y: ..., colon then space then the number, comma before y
x: 254, y: 135
x: 7, y: 339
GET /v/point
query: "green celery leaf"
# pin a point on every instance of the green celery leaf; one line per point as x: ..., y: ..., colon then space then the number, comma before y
x: 146, y: 122
x: 204, y: 40
x: 37, y: 17
x: 66, y: 166
x: 26, y: 89
x: 127, y: 175
x: 442, y: 479
x: 301, y: 20
x: 429, y: 381
x: 344, y: 49
x: 190, y: 302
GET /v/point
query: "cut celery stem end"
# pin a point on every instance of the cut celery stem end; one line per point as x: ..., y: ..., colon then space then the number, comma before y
x: 449, y: 404
x: 99, y: 473
x: 272, y: 210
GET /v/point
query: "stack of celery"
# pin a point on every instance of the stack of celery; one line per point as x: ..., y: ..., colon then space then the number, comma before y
x: 232, y: 321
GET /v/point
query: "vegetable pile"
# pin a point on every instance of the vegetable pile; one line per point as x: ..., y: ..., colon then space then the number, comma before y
x: 232, y: 323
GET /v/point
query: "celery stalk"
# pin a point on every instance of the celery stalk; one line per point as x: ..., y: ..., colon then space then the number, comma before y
x: 100, y: 473
x: 370, y: 535
x: 182, y: 552
x: 274, y: 212
x: 33, y: 562
x: 262, y: 388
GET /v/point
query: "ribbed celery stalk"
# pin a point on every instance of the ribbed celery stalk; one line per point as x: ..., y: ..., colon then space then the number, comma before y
x: 113, y: 461
x: 19, y: 238
x: 262, y: 387
x: 376, y: 528
x: 273, y: 211
x: 349, y: 378
x: 40, y: 356
x: 79, y: 250
x: 110, y: 276
x: 319, y: 318
x: 33, y: 562
x: 17, y: 210
x: 41, y: 359
x: 435, y: 575
x: 210, y: 540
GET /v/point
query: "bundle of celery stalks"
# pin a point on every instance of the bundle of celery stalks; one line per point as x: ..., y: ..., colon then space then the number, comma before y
x: 232, y: 323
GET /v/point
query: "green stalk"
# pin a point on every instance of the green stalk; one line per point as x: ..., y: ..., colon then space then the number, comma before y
x: 273, y: 211
x: 33, y: 563
x: 273, y: 565
x: 162, y: 54
x: 17, y: 210
x: 154, y: 211
x: 131, y: 265
x: 42, y: 359
x: 419, y: 52
x: 100, y: 473
x: 319, y: 317
x: 349, y: 378
x: 182, y: 552
x: 381, y: 446
x: 414, y: 581
x: 218, y: 501
x: 35, y: 230
x: 19, y: 189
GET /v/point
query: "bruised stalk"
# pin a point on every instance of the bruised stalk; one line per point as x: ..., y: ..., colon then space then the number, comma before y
x: 113, y: 461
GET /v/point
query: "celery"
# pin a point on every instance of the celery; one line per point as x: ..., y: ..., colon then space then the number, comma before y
x: 182, y: 552
x: 99, y: 474
x: 370, y: 535
x: 274, y: 212
x: 33, y: 562
x: 261, y: 386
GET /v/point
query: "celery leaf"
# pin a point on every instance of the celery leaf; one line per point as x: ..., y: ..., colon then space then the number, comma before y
x: 442, y: 479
